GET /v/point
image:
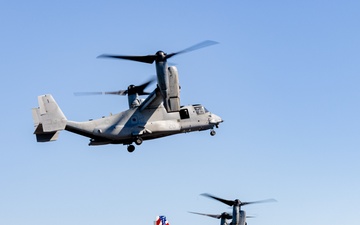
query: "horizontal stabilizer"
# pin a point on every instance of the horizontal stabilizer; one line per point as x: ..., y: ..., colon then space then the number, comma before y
x: 42, y: 136
x: 45, y: 137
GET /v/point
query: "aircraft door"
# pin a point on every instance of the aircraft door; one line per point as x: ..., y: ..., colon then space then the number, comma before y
x: 184, y: 114
x: 185, y: 120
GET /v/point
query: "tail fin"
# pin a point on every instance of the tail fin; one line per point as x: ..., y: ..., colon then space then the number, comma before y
x: 48, y: 119
x: 161, y: 220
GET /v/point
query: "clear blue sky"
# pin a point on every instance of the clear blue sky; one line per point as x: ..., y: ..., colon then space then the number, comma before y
x: 285, y: 78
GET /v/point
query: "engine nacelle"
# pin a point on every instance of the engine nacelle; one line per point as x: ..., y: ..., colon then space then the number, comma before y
x: 173, y: 94
x: 133, y: 100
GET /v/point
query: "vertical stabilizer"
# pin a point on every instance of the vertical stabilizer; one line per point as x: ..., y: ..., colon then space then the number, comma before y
x: 48, y: 119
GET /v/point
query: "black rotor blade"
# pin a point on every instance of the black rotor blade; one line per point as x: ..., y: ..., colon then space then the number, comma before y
x: 140, y: 89
x: 210, y: 215
x: 120, y: 92
x: 226, y: 215
x: 193, y: 48
x: 261, y: 201
x: 88, y: 93
x: 145, y: 59
x: 132, y: 89
x: 151, y: 58
x: 216, y: 216
x: 250, y: 216
x: 231, y: 203
x: 227, y: 202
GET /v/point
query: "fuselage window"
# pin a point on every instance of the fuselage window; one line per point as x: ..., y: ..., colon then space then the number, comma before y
x: 184, y: 114
x: 199, y: 110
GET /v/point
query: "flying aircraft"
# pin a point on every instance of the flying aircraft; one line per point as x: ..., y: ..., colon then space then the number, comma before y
x: 158, y: 115
x: 238, y: 216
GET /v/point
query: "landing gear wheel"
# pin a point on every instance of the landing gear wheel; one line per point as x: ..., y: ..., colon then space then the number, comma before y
x: 212, y: 133
x: 131, y: 148
x: 138, y: 141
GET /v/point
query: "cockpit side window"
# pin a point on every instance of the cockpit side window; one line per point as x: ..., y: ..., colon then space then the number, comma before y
x: 184, y: 114
x: 199, y: 109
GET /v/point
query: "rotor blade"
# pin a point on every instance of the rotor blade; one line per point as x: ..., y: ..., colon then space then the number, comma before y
x: 227, y: 202
x: 193, y: 48
x: 261, y: 201
x: 224, y: 215
x: 132, y: 89
x: 140, y: 89
x: 145, y: 59
x: 88, y: 93
x: 120, y: 92
x: 151, y: 58
x: 210, y: 215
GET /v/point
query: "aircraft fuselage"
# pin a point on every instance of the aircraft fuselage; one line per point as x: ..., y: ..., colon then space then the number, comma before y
x: 149, y: 123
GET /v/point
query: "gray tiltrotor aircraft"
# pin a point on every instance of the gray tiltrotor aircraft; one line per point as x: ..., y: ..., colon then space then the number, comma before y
x: 238, y: 216
x: 159, y: 115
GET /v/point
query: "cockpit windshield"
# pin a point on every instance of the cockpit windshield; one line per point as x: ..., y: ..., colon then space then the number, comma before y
x: 200, y: 109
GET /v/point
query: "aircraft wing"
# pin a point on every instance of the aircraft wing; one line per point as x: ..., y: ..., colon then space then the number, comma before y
x: 152, y: 101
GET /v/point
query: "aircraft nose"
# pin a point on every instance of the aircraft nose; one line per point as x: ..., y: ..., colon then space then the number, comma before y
x: 215, y: 119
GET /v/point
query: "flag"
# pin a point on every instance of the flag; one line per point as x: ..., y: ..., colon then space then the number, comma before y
x: 161, y: 220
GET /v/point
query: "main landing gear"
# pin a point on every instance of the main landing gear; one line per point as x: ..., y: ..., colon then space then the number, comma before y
x: 131, y: 148
x: 138, y: 141
x: 212, y: 132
